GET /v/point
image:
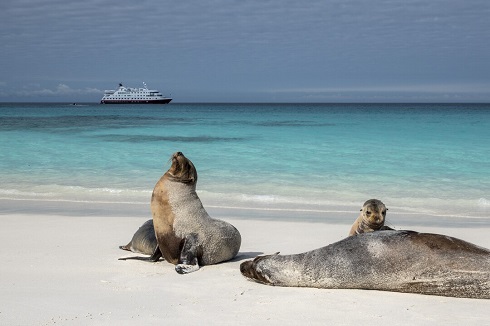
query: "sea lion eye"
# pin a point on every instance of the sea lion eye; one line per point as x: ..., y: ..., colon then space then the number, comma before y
x: 384, y: 213
x: 368, y: 213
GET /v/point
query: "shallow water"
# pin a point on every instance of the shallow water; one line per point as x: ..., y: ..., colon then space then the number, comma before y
x: 430, y: 159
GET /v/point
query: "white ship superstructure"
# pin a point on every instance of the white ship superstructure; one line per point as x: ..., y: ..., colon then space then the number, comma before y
x: 128, y: 95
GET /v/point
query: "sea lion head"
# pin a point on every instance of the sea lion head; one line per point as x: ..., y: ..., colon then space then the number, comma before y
x: 373, y: 214
x: 182, y: 169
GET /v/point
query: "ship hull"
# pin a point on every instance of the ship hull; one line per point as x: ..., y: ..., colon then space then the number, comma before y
x: 160, y: 101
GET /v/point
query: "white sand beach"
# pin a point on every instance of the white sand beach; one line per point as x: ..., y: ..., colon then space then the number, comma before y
x: 63, y: 269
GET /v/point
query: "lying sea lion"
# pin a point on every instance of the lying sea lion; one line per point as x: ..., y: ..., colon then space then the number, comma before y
x: 144, y: 240
x: 400, y: 261
x: 187, y: 236
x: 371, y: 218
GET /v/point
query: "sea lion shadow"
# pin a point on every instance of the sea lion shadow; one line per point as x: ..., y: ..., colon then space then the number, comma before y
x: 246, y: 255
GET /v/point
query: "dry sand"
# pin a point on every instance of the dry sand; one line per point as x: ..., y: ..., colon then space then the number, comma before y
x: 63, y: 269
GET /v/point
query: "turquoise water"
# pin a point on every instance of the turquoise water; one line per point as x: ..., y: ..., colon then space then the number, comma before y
x: 417, y: 158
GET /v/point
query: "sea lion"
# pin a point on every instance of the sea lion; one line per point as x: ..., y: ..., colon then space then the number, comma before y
x: 144, y: 240
x: 187, y: 236
x: 371, y: 218
x: 399, y: 261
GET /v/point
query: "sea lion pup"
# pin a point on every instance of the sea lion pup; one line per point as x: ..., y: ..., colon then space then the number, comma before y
x: 399, y: 261
x: 371, y: 218
x: 143, y: 241
x: 187, y: 236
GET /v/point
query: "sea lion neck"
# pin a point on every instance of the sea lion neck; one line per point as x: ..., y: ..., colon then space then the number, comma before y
x: 184, y: 179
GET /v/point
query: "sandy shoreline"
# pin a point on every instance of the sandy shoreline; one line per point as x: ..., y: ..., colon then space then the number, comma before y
x: 63, y: 269
x: 335, y: 215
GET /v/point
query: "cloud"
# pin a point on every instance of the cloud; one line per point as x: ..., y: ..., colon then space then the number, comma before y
x: 34, y: 90
x: 389, y: 93
x: 402, y: 88
x: 61, y: 89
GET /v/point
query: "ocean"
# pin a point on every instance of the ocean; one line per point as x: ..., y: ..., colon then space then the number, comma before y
x: 419, y: 159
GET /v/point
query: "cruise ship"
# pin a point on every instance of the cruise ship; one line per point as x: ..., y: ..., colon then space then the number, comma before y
x: 127, y: 95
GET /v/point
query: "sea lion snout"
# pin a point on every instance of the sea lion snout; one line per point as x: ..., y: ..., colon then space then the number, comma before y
x: 176, y: 157
x: 177, y: 154
x: 378, y: 219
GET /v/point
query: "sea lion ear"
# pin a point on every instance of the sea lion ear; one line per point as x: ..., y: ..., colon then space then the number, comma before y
x: 360, y: 210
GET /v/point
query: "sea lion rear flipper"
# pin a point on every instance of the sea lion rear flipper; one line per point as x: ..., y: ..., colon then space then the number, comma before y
x: 153, y: 258
x: 126, y: 247
x: 188, y: 262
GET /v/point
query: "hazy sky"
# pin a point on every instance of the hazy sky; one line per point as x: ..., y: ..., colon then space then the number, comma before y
x: 247, y: 51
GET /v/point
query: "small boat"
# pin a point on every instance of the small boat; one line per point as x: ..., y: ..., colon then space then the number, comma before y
x: 128, y: 95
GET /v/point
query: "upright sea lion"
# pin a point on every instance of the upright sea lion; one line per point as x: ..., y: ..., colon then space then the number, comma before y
x: 187, y: 236
x: 400, y: 261
x: 371, y: 218
x: 144, y: 240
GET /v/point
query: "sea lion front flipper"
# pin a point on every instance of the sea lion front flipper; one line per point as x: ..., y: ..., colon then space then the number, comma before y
x: 355, y: 226
x: 188, y: 262
x: 156, y: 254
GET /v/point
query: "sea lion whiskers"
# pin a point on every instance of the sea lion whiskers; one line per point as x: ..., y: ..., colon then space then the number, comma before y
x: 168, y: 163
